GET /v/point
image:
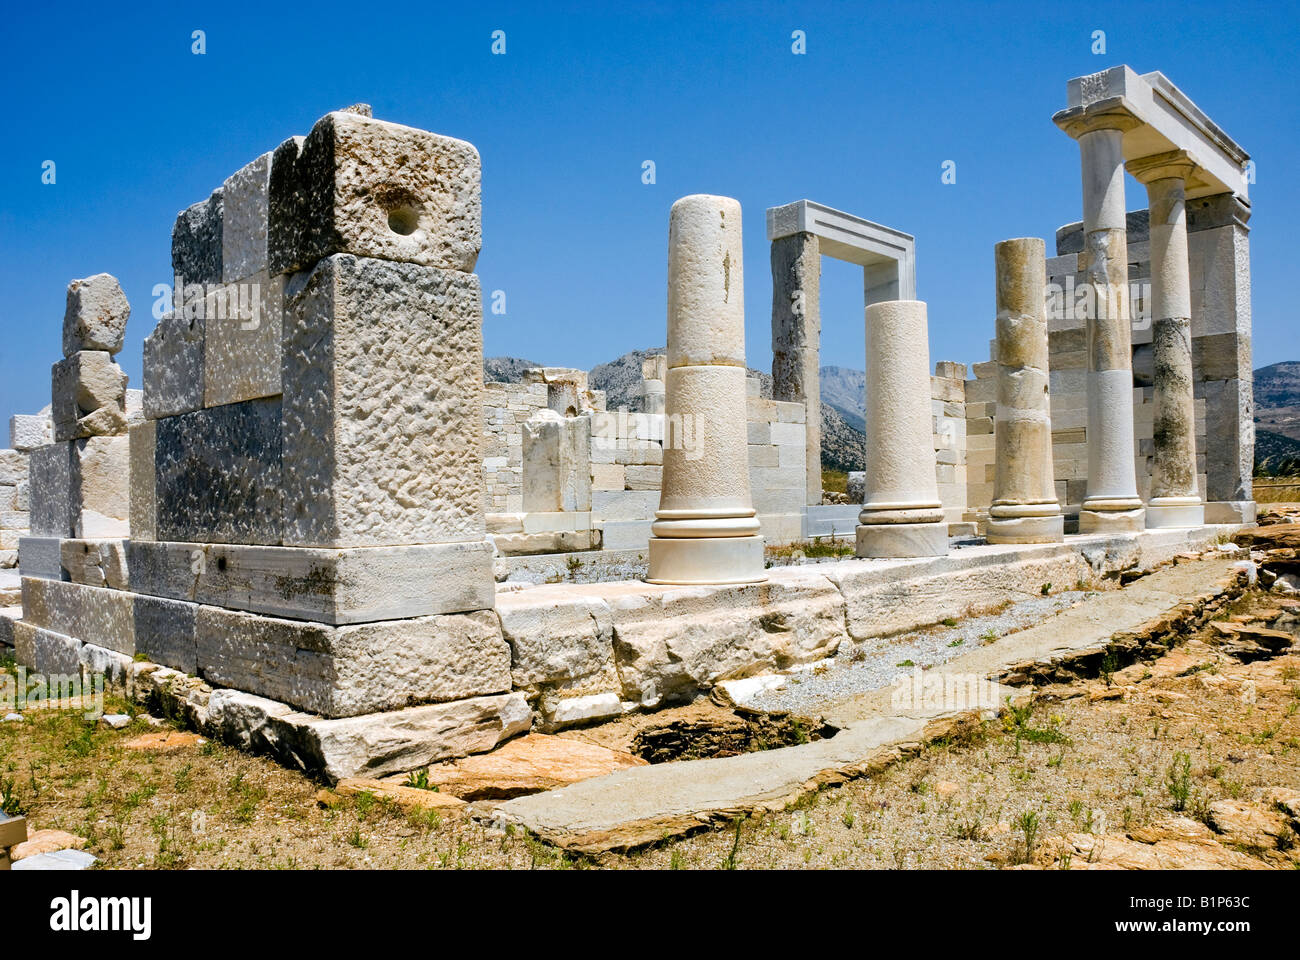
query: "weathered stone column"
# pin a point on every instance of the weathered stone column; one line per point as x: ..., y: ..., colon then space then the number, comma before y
x: 1175, y: 500
x: 1112, y: 504
x: 796, y: 339
x: 706, y: 531
x: 1024, y: 509
x: 902, y: 515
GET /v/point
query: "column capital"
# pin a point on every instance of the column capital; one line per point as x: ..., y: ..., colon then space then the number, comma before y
x: 1113, y: 113
x: 1172, y: 164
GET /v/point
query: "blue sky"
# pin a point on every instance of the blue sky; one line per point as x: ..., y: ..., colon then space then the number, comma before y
x: 140, y: 127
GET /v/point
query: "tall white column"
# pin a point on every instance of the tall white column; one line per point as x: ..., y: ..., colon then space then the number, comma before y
x: 1175, y: 500
x: 902, y: 515
x: 706, y: 529
x: 1025, y: 508
x: 1112, y: 503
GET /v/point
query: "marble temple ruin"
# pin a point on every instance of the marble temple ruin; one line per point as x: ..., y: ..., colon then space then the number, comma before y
x: 319, y: 533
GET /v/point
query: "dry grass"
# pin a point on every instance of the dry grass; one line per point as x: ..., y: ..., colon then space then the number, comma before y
x: 1277, y: 491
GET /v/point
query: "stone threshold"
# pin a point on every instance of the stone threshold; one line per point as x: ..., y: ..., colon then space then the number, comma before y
x: 642, y: 805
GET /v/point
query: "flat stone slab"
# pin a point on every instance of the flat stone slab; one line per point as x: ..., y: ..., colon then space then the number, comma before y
x: 58, y: 860
x: 641, y: 805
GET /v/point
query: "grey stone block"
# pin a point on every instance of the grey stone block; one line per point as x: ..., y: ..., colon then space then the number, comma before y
x: 356, y: 585
x: 51, y: 494
x: 87, y: 396
x: 173, y: 364
x: 46, y: 651
x: 241, y: 348
x: 96, y: 315
x: 244, y: 220
x: 219, y: 476
x: 374, y: 189
x: 383, y: 415
x: 166, y: 632
x: 349, y: 670
x: 41, y: 557
x: 144, y: 482
x: 197, y: 242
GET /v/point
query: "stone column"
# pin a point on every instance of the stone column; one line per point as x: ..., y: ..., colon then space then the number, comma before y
x: 1024, y: 509
x: 1112, y: 504
x: 1175, y: 500
x: 706, y: 530
x: 902, y: 515
x: 796, y: 340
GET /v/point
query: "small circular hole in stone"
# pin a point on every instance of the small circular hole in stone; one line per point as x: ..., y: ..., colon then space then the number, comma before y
x: 404, y: 220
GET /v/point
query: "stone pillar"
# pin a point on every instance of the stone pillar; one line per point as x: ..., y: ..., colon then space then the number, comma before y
x: 1175, y: 500
x: 902, y: 515
x: 1112, y: 504
x: 706, y: 530
x: 1025, y: 509
x: 796, y: 339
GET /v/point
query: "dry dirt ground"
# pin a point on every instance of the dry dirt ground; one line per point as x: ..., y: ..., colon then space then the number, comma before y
x: 1155, y: 752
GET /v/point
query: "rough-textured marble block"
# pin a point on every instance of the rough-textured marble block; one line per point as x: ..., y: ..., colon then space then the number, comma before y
x: 383, y: 419
x: 13, y: 467
x: 87, y: 396
x: 375, y: 189
x: 218, y: 474
x: 89, y: 614
x: 51, y: 479
x: 358, y: 585
x: 96, y: 315
x: 197, y: 241
x: 95, y: 563
x: 349, y: 670
x: 144, y: 480
x: 29, y: 431
x: 241, y: 352
x: 243, y: 222
x: 173, y: 365
x: 101, y: 487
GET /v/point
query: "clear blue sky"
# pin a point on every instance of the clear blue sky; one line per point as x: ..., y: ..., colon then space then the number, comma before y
x: 140, y: 127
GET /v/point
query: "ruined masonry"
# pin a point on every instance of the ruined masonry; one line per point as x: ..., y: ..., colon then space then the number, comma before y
x: 318, y: 533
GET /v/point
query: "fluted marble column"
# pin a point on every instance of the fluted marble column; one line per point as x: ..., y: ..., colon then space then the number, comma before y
x: 1025, y: 508
x: 706, y: 529
x: 1175, y: 500
x: 1112, y: 504
x: 902, y: 515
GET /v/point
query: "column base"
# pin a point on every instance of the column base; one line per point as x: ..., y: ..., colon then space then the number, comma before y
x: 1025, y: 529
x: 1112, y: 521
x: 1174, y: 512
x: 883, y: 540
x: 688, y: 560
x: 1230, y: 511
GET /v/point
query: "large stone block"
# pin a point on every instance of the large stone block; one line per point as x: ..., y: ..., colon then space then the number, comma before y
x: 348, y: 670
x: 96, y: 315
x: 51, y: 494
x: 41, y: 557
x: 563, y: 641
x: 45, y: 651
x: 357, y: 585
x: 29, y: 431
x: 197, y: 242
x: 383, y: 420
x: 374, y: 189
x: 244, y: 219
x: 166, y: 632
x: 556, y: 462
x: 90, y: 614
x: 88, y: 396
x: 13, y: 467
x: 241, y: 350
x: 173, y: 364
x: 144, y: 480
x: 219, y: 475
x: 101, y: 487
x: 95, y: 563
